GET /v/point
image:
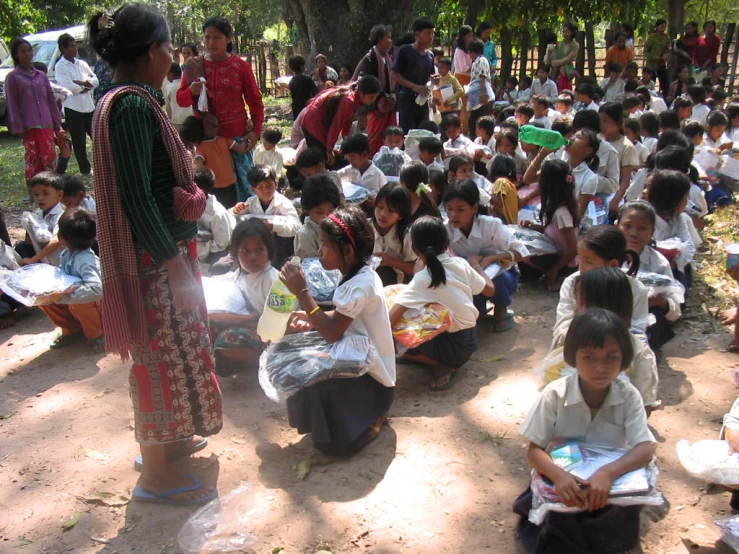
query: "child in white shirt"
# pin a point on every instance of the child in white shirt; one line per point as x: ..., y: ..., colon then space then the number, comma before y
x: 176, y: 113
x: 42, y: 225
x: 360, y: 171
x: 267, y: 152
x: 216, y: 224
x: 319, y: 198
x: 457, y: 142
x: 392, y: 240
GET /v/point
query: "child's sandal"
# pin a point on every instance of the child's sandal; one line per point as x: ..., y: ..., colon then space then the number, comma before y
x: 62, y: 341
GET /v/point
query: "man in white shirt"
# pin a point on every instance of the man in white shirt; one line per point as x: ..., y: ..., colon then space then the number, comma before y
x: 544, y: 85
x: 76, y: 76
x: 613, y: 85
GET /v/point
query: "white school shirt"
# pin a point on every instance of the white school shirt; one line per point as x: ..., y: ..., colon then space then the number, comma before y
x: 65, y: 73
x: 642, y: 153
x: 256, y: 286
x: 614, y: 92
x: 390, y: 245
x: 676, y: 228
x: 436, y: 165
x: 524, y: 96
x: 734, y: 134
x: 709, y: 143
x: 462, y: 283
x: 586, y: 182
x: 544, y: 120
x: 696, y: 201
x: 285, y: 222
x: 650, y: 143
x: 488, y: 237
x: 592, y: 106
x: 362, y: 298
x: 700, y: 113
x: 554, y: 115
x: 626, y: 152
x: 657, y: 105
x: 455, y: 147
x: 219, y: 222
x: 307, y: 239
x: 272, y: 158
x: 548, y: 88
x: 609, y: 168
x: 652, y: 260
x: 41, y: 236
x: 640, y: 318
x: 178, y: 114
x: 560, y: 412
x: 372, y: 179
x: 636, y: 187
x: 731, y: 420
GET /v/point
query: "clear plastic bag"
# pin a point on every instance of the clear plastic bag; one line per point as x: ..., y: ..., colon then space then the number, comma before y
x: 321, y: 282
x: 303, y: 359
x: 203, y: 98
x: 390, y: 160
x: 417, y: 325
x: 661, y: 284
x: 225, y: 297
x: 220, y: 525
x: 730, y: 529
x: 583, y: 460
x: 474, y: 93
x: 710, y: 460
x: 355, y: 194
x: 39, y: 284
x: 413, y: 139
x: 536, y: 243
x: 37, y: 229
x: 9, y: 258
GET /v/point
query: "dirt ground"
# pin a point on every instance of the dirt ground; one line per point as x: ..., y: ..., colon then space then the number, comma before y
x: 441, y: 477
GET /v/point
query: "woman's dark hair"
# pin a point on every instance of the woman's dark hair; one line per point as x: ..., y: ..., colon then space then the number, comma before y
x: 673, y: 157
x: 717, y: 117
x: 609, y: 243
x: 135, y: 28
x: 659, y: 22
x: 465, y: 190
x: 192, y: 131
x: 192, y: 46
x: 642, y: 206
x: 476, y: 46
x: 369, y: 84
x: 503, y: 166
x: 464, y: 30
x: 710, y: 22
x: 586, y: 119
x: 429, y: 236
x: 432, y: 145
x: 592, y: 329
x: 398, y: 200
x: 77, y: 228
x: 413, y: 174
x: 571, y: 26
x: 438, y: 180
x: 223, y: 25
x: 317, y: 190
x: 593, y: 161
x: 557, y: 190
x: 460, y: 160
x: 260, y: 173
x: 252, y: 227
x: 15, y: 47
x: 361, y: 237
x: 672, y: 137
x: 607, y: 288
x: 510, y: 135
x: 377, y: 33
x: 649, y: 121
x: 615, y: 111
x: 482, y: 27
x: 667, y: 189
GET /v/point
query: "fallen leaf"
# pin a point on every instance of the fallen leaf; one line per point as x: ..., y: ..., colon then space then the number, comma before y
x: 278, y: 550
x: 324, y: 552
x: 67, y: 525
x: 94, y: 455
x: 104, y: 498
x: 304, y: 469
x: 6, y: 416
x: 238, y: 441
x: 497, y: 358
x: 21, y: 542
x: 103, y: 393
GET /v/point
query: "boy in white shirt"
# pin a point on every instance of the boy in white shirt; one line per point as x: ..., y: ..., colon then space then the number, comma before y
x: 540, y: 105
x: 585, y: 94
x: 216, y: 225
x: 42, y: 225
x: 544, y: 85
x: 360, y: 171
x: 75, y: 195
x: 430, y: 150
x: 613, y: 85
x: 457, y: 142
x: 176, y: 113
x: 268, y: 153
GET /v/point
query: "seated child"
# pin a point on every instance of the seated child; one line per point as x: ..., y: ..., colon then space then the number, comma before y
x: 592, y: 407
x: 540, y: 105
x: 392, y: 240
x: 267, y: 153
x: 563, y: 105
x: 345, y: 415
x: 216, y: 155
x: 694, y: 131
x: 79, y: 314
x: 453, y: 103
x: 508, y: 95
x: 715, y: 137
x: 637, y: 221
x: 414, y: 176
x: 75, y: 195
x: 320, y: 197
x: 253, y: 245
x: 483, y: 240
x: 391, y: 157
x: 632, y: 131
x: 438, y: 182
x: 524, y: 90
x: 485, y: 131
x: 649, y: 123
x: 216, y: 225
x: 360, y: 171
x: 277, y: 211
x: 462, y: 167
x: 504, y: 197
x: 41, y: 225
x: 430, y: 150
x: 524, y: 114
x: 507, y: 143
x: 457, y: 142
x: 448, y: 281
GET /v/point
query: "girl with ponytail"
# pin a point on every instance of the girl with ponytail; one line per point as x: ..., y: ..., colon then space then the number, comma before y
x: 451, y: 282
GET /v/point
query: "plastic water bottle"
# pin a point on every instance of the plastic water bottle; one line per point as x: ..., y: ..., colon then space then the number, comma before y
x: 279, y: 305
x: 542, y: 137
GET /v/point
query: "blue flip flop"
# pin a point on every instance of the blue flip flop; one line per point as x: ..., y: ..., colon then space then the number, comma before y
x: 452, y: 377
x: 141, y: 495
x: 181, y: 452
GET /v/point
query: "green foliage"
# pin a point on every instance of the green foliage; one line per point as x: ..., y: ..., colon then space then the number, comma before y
x: 18, y: 17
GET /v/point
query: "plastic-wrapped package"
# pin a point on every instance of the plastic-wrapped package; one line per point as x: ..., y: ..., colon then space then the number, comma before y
x: 710, y: 460
x: 321, y: 282
x: 225, y: 297
x: 303, y: 359
x: 537, y: 243
x: 390, y: 160
x: 220, y: 525
x: 9, y: 258
x: 583, y: 460
x: 661, y: 284
x: 413, y: 139
x: 474, y: 93
x: 39, y: 284
x: 730, y: 529
x: 417, y: 325
x: 355, y: 194
x: 203, y: 98
x: 37, y: 229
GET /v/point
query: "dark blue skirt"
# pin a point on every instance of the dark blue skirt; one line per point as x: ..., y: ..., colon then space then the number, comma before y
x: 452, y: 350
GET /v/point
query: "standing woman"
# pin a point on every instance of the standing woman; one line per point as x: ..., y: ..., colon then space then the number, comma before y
x: 33, y: 114
x: 564, y: 57
x: 463, y: 66
x: 483, y: 33
x: 153, y: 307
x: 690, y: 42
x: 655, y: 49
x: 708, y: 46
x: 229, y: 81
x: 324, y: 73
x: 331, y: 113
x: 378, y: 63
x: 188, y: 50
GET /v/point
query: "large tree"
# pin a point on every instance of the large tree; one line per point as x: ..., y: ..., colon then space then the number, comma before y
x: 340, y: 28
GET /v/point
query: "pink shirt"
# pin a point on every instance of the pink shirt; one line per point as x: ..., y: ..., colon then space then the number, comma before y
x: 562, y: 219
x: 462, y: 62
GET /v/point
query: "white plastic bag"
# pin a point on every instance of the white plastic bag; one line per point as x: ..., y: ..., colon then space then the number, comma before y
x: 303, y: 359
x: 355, y: 194
x: 536, y: 243
x: 390, y: 160
x: 321, y: 282
x: 9, y: 258
x: 710, y: 460
x: 661, y: 284
x: 39, y: 284
x: 225, y: 297
x: 220, y: 525
x: 203, y: 98
x: 730, y: 529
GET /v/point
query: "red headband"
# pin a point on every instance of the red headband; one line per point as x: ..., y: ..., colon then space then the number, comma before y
x: 344, y: 227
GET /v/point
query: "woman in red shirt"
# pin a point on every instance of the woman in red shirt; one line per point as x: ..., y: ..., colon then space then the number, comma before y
x: 229, y: 82
x: 690, y: 39
x: 708, y: 46
x: 332, y: 112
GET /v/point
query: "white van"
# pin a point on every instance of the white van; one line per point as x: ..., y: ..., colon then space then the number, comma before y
x: 46, y: 50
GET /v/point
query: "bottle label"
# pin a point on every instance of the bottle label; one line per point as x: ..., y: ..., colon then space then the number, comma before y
x: 280, y: 303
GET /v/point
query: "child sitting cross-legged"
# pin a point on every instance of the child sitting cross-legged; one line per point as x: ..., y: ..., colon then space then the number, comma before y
x: 41, y: 225
x: 319, y: 198
x: 451, y: 282
x: 216, y: 224
x: 79, y: 314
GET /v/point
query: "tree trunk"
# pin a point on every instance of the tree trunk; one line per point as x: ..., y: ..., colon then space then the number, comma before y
x: 580, y: 60
x: 474, y: 7
x: 524, y: 42
x: 506, y: 53
x: 590, y: 38
x: 339, y: 29
x: 676, y: 16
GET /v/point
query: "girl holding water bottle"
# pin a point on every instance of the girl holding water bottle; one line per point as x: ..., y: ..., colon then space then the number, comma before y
x: 344, y: 415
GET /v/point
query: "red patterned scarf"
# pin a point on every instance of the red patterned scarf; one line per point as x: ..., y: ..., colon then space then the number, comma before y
x: 124, y: 322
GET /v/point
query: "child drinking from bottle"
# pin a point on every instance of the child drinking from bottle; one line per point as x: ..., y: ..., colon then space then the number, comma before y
x: 345, y: 415
x: 392, y: 240
x: 448, y: 281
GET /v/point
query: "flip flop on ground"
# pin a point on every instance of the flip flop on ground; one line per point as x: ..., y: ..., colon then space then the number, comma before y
x: 141, y: 495
x: 62, y: 341
x: 186, y: 448
x: 502, y: 324
x: 451, y: 373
